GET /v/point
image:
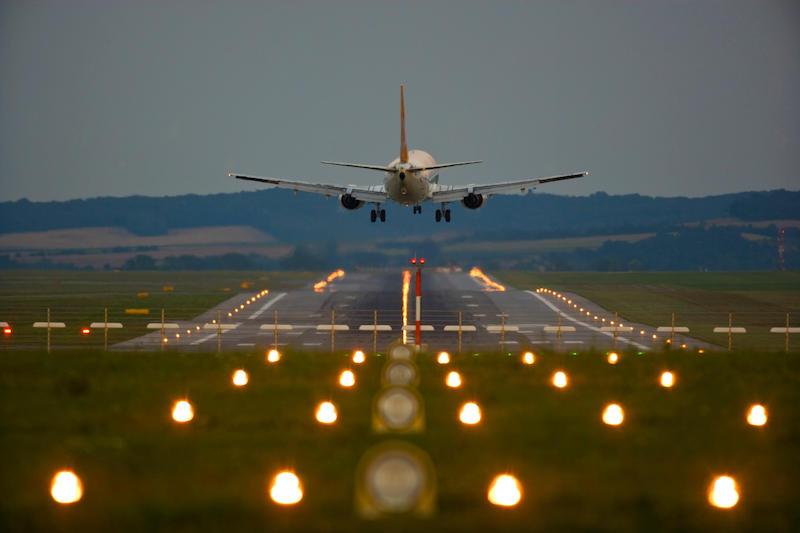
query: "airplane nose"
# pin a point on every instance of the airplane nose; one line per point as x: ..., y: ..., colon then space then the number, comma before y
x: 402, y: 176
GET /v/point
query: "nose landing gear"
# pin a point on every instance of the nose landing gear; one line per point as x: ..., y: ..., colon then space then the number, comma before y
x: 417, y: 209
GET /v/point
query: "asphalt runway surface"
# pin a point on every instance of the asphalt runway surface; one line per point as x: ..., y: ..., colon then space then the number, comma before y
x: 509, y: 320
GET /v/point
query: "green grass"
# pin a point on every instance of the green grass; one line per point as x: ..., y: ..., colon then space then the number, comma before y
x: 700, y: 300
x: 79, y: 298
x: 107, y: 416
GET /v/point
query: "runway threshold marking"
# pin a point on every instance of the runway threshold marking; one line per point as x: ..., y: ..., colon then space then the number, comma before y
x: 584, y: 324
x: 267, y: 305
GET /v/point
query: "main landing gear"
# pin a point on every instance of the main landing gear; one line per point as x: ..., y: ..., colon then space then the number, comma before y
x: 443, y: 213
x: 417, y: 209
x: 377, y: 213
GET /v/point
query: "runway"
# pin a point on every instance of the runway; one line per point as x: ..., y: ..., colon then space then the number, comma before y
x: 343, y: 314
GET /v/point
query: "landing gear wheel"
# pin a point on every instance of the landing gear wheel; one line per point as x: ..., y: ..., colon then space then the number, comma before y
x: 447, y: 215
x: 417, y: 209
x: 383, y: 215
x: 438, y: 215
x: 373, y: 216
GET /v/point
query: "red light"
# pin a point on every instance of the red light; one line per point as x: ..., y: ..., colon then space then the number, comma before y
x: 85, y: 331
x: 413, y: 260
x: 6, y: 331
x: 421, y: 260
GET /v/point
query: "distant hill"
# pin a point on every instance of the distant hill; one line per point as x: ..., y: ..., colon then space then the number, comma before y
x: 154, y: 227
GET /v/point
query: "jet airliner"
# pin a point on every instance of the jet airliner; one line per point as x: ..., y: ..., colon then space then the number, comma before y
x: 410, y: 179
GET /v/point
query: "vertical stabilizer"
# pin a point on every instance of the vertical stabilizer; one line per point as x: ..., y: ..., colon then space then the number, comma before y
x: 403, y: 145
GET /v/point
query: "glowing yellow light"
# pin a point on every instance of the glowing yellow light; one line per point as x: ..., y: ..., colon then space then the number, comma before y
x: 66, y: 487
x: 453, y: 380
x: 641, y: 332
x: 528, y: 358
x: 488, y: 284
x: 273, y: 356
x: 655, y: 336
x: 667, y: 379
x: 701, y: 351
x: 757, y: 415
x: 505, y: 491
x: 320, y: 285
x: 723, y: 492
x: 683, y: 346
x: 613, y: 415
x: 326, y: 413
x: 470, y: 414
x: 240, y: 378
x: 595, y: 317
x: 613, y: 358
x: 347, y: 378
x: 177, y: 335
x: 182, y: 412
x: 359, y: 357
x: 286, y: 488
x: 165, y: 340
x: 406, y: 284
x: 443, y: 358
x: 560, y: 379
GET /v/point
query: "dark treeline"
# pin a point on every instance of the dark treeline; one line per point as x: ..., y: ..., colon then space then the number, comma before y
x: 310, y: 218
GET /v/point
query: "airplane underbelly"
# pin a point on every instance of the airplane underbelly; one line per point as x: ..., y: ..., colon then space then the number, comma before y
x: 411, y: 191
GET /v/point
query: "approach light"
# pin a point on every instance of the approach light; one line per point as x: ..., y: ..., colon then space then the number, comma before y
x: 453, y: 380
x: 326, y: 413
x: 723, y: 492
x: 347, y: 379
x: 240, y: 378
x: 286, y: 488
x: 359, y: 357
x: 273, y: 356
x: 667, y: 379
x: 470, y: 414
x: 443, y: 358
x: 560, y: 379
x: 7, y: 331
x: 66, y: 487
x: 421, y: 260
x: 613, y: 358
x: 613, y: 415
x: 85, y: 331
x: 182, y: 412
x: 757, y: 415
x: 528, y: 358
x: 505, y: 491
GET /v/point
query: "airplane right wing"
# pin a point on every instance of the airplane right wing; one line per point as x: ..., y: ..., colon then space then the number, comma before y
x: 375, y: 194
x: 452, y: 194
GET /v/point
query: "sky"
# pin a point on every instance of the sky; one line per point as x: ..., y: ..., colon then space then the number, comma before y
x: 666, y: 98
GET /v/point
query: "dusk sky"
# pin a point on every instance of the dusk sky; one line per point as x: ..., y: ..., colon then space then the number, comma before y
x: 663, y: 98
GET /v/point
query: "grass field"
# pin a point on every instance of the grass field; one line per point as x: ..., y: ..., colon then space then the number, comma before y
x: 79, y: 298
x: 107, y: 416
x: 700, y: 300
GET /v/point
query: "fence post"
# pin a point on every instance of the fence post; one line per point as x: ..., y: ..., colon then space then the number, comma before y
x: 48, y: 330
x: 219, y: 331
x: 730, y: 333
x: 786, y: 340
x: 105, y: 329
x: 672, y: 335
x: 502, y: 332
x: 375, y: 331
x: 459, y: 331
x: 333, y: 330
x: 161, y: 340
x: 275, y: 331
x: 614, y: 331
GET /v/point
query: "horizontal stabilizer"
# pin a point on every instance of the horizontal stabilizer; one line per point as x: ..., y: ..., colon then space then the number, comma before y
x: 358, y: 165
x: 445, y: 165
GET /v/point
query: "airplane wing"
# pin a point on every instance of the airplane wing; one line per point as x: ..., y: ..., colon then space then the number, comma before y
x: 452, y: 194
x: 375, y: 194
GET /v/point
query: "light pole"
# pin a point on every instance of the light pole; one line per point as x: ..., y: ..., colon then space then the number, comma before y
x: 418, y: 293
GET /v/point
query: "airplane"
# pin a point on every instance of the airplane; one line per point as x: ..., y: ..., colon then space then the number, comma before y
x: 410, y: 179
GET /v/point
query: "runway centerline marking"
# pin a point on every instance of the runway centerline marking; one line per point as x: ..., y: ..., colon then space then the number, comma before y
x: 584, y: 324
x: 266, y: 306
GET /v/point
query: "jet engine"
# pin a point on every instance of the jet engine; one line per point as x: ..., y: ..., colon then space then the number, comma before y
x: 472, y: 201
x: 348, y: 201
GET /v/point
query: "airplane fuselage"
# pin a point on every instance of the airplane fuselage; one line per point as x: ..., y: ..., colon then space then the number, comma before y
x: 410, y: 187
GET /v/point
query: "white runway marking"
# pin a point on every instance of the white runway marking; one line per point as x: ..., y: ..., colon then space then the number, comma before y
x: 466, y: 296
x: 312, y: 344
x: 212, y: 335
x: 246, y: 344
x: 473, y: 305
x: 584, y: 324
x: 267, y: 306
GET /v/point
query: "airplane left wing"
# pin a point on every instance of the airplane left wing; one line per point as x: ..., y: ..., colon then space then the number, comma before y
x: 452, y: 194
x: 375, y: 194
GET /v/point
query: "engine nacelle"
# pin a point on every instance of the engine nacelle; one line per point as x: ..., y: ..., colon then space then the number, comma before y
x: 348, y: 201
x: 472, y: 201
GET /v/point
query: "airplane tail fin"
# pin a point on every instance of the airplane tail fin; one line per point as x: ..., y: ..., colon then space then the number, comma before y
x: 403, y: 145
